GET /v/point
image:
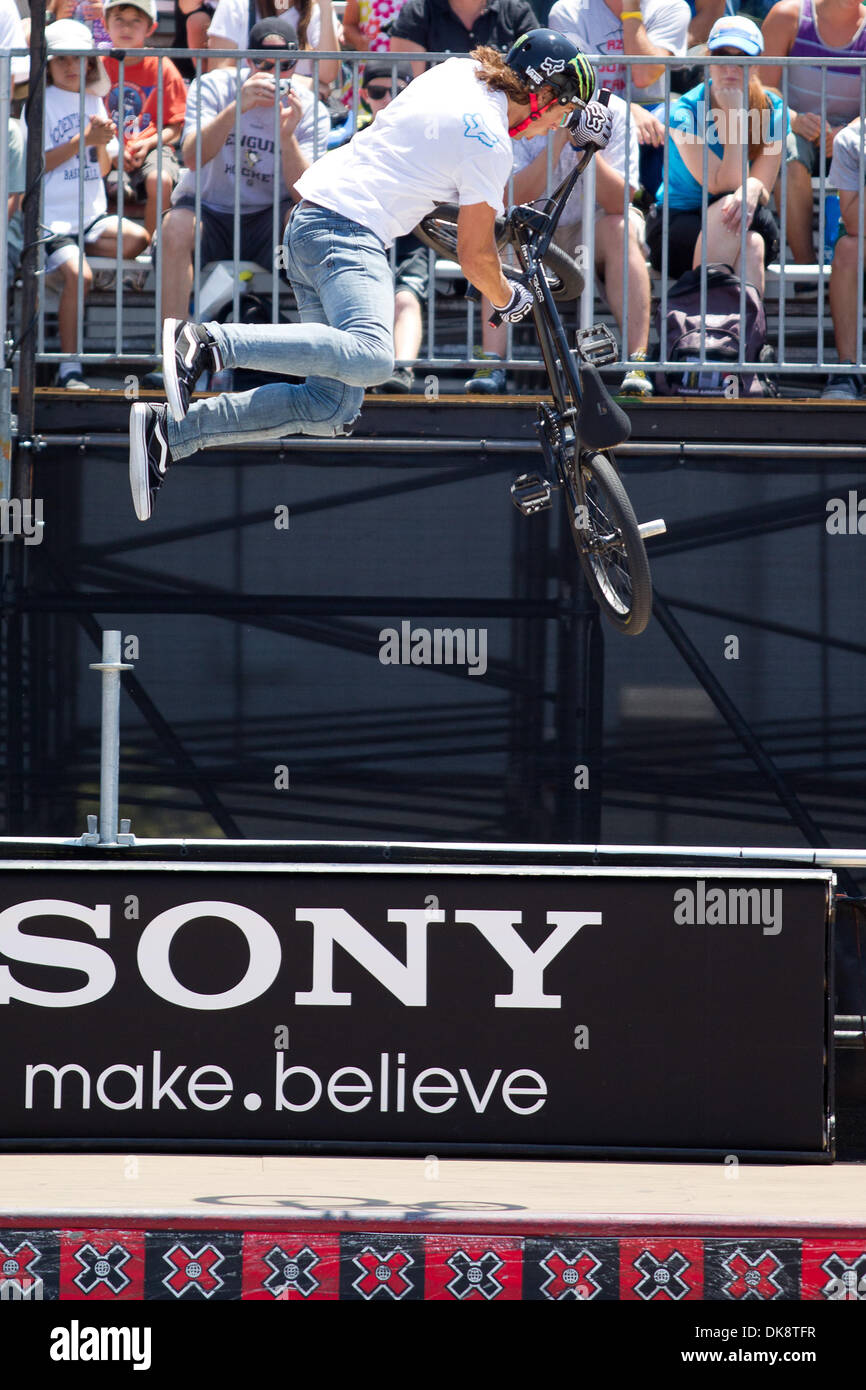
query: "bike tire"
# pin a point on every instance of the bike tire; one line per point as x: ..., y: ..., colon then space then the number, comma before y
x: 611, y: 549
x: 438, y: 230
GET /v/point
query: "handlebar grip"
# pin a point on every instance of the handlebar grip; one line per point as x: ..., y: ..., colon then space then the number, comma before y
x: 603, y: 97
x: 495, y: 318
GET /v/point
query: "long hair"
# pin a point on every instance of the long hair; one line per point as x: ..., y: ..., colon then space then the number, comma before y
x: 271, y: 9
x: 759, y: 124
x: 497, y: 76
x: 759, y: 102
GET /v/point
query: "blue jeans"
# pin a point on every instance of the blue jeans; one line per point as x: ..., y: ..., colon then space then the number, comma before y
x: 342, y: 280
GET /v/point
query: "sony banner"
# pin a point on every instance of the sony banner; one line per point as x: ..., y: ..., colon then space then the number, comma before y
x: 414, y: 1006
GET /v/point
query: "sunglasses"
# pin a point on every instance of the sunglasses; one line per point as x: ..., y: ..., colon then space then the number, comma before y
x: 268, y: 64
x: 378, y: 93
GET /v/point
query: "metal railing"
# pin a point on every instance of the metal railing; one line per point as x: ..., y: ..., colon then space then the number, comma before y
x: 798, y: 326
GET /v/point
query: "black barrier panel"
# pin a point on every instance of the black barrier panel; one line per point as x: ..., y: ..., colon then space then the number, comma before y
x: 577, y: 1008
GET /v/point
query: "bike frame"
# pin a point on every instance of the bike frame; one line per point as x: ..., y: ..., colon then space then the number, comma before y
x: 523, y: 222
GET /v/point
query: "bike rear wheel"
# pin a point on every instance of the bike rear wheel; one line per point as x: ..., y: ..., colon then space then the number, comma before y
x: 610, y: 547
x: 438, y: 230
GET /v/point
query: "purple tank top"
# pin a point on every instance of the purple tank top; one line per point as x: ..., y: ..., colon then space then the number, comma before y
x: 843, y: 83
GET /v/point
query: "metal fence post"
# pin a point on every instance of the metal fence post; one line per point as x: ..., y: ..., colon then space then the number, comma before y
x: 109, y: 772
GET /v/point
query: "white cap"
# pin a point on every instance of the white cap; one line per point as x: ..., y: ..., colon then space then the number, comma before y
x: 147, y: 7
x: 736, y: 31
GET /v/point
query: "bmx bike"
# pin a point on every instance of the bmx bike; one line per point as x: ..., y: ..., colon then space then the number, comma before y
x: 581, y: 425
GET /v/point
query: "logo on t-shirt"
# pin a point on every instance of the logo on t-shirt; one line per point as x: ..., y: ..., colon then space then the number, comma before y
x: 135, y: 119
x: 477, y: 130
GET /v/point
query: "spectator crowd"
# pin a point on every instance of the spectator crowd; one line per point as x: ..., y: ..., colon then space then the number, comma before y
x: 191, y: 153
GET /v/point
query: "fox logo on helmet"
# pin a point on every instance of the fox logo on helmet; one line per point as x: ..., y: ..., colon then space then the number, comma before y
x: 544, y: 57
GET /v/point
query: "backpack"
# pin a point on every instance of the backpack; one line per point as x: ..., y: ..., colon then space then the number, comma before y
x: 680, y: 336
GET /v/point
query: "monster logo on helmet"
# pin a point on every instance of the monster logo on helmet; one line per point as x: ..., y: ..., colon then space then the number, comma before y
x: 544, y: 58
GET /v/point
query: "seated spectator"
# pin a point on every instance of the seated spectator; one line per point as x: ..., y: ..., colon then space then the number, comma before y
x: 530, y: 180
x: 845, y: 175
x: 14, y: 34
x: 192, y: 22
x: 312, y: 19
x: 382, y: 81
x: 16, y: 186
x: 729, y: 126
x: 367, y: 24
x: 704, y: 15
x: 822, y: 29
x: 92, y: 13
x: 647, y: 28
x: 147, y: 150
x: 439, y: 26
x: 304, y: 126
x: 70, y: 155
x: 87, y: 12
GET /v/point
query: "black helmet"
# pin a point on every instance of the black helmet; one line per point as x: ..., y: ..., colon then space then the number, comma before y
x: 544, y: 58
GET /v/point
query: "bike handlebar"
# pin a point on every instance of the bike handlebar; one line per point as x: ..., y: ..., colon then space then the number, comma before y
x: 544, y: 223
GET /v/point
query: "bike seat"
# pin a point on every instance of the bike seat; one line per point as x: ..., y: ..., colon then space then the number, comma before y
x: 601, y: 424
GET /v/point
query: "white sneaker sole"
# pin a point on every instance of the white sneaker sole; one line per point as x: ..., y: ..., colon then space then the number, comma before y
x: 138, y: 469
x: 169, y: 368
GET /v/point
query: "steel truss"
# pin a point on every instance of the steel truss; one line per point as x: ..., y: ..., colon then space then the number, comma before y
x: 545, y: 714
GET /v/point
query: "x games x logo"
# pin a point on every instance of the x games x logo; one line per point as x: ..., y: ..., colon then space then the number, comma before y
x: 193, y: 1270
x: 383, y: 1273
x: 101, y: 1269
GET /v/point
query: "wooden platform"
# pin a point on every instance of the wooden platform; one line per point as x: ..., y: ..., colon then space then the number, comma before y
x: 159, y: 1227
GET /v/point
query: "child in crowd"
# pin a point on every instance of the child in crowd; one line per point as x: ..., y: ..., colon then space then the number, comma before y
x: 148, y: 146
x: 73, y: 154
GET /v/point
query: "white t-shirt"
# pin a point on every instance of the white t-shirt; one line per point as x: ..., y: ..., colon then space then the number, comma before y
x: 442, y: 140
x: 12, y: 36
x: 844, y: 171
x: 60, y: 186
x: 215, y: 90
x: 597, y: 30
x: 613, y: 155
x: 231, y: 20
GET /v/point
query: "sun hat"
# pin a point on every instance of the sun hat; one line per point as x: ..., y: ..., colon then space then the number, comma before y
x: 71, y: 36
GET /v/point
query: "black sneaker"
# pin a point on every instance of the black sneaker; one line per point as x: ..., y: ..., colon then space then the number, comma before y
x: 149, y: 457
x: 399, y: 384
x: 187, y: 351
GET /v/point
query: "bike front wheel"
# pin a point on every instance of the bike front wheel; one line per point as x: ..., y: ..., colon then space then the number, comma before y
x: 438, y: 230
x: 610, y: 546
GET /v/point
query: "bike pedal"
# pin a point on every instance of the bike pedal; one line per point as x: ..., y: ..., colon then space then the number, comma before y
x: 531, y: 493
x: 597, y: 345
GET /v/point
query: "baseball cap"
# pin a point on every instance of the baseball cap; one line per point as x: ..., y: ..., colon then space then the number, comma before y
x: 71, y: 36
x: 736, y: 31
x: 147, y: 7
x: 276, y: 28
x: 383, y: 70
